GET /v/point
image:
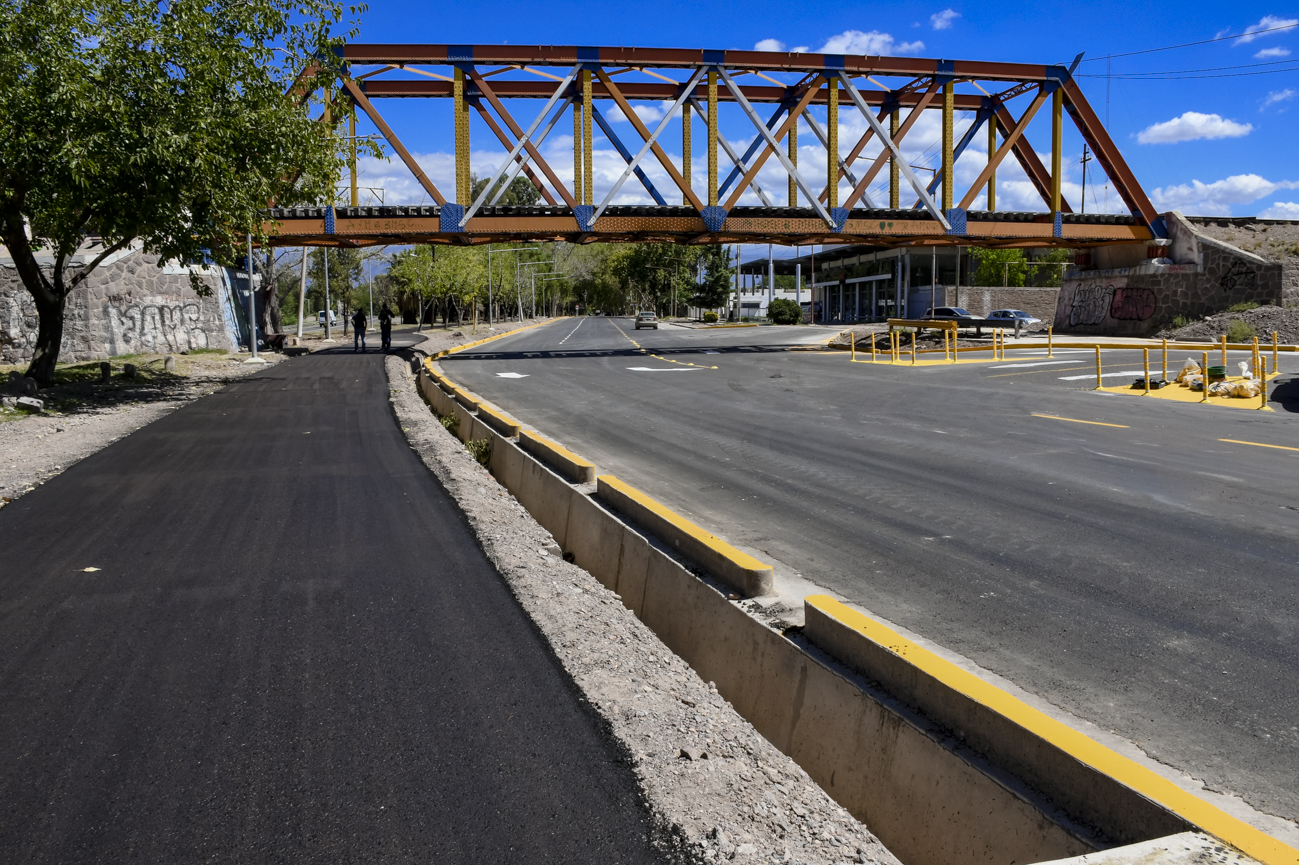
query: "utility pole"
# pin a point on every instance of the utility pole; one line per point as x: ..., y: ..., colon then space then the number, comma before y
x: 1085, y: 159
x: 302, y: 293
x: 370, y: 268
x: 329, y: 311
x: 252, y: 309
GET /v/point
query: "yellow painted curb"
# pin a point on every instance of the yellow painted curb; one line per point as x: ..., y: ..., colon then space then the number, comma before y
x: 737, y: 568
x: 1207, y: 817
x: 573, y: 467
x: 502, y: 423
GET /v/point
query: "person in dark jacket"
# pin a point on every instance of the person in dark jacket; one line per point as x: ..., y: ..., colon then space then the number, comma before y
x: 385, y: 327
x: 358, y: 331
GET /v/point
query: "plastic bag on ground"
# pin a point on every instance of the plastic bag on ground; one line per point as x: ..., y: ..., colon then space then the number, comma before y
x: 1188, y: 368
x: 1245, y: 389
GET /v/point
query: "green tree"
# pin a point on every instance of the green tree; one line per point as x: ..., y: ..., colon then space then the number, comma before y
x: 173, y: 124
x: 714, y: 290
x: 999, y: 267
x: 784, y: 311
x: 520, y: 191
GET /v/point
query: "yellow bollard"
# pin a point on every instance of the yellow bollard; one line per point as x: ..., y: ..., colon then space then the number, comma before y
x: 872, y: 348
x: 1145, y: 356
x: 1048, y: 341
x: 1098, y: 367
x: 1262, y: 383
x: 1164, y: 377
x: 1224, y: 349
x: 913, y: 347
x: 1274, y: 352
x: 852, y: 342
x: 1204, y: 375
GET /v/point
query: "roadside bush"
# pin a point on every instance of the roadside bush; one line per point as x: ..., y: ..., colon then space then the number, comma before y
x: 1180, y: 321
x: 451, y: 422
x: 784, y: 311
x: 1239, y: 331
x: 1243, y: 307
x: 710, y: 317
x: 481, y: 450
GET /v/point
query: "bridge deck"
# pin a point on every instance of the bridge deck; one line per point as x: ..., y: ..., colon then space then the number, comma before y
x: 370, y: 226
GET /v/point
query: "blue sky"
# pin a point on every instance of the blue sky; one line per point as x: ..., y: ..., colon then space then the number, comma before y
x: 1203, y: 145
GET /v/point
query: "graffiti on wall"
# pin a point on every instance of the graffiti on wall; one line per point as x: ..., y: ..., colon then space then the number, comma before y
x: 157, y: 327
x: 1240, y: 275
x: 1091, y: 302
x: 1133, y: 304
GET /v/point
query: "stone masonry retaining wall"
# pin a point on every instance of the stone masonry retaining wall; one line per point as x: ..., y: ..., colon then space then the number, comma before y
x: 131, y: 305
x: 1207, y: 277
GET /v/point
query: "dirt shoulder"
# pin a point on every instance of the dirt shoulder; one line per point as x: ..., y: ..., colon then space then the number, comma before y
x: 715, y: 788
x: 83, y: 415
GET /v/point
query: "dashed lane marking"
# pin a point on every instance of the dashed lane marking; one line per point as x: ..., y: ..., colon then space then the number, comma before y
x: 665, y: 368
x: 1076, y: 420
x: 1259, y: 444
x: 657, y: 356
x: 1103, y: 374
x: 1035, y: 372
x: 574, y: 330
x: 1038, y: 363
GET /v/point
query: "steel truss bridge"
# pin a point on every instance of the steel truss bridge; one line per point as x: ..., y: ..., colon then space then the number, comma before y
x: 773, y: 91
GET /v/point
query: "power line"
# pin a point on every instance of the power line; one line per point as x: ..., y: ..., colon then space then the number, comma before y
x: 1190, y: 44
x: 1205, y: 69
x: 1162, y: 76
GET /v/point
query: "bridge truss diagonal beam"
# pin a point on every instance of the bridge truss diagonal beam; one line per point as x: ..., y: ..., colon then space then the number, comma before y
x: 740, y: 165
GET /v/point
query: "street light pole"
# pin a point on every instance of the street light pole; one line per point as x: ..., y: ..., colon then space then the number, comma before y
x: 490, y: 312
x: 252, y: 309
x: 302, y: 293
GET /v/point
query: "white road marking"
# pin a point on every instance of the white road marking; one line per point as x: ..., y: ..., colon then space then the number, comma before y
x: 1039, y: 363
x: 664, y: 369
x: 511, y: 375
x: 573, y: 331
x: 1103, y: 374
x: 711, y: 352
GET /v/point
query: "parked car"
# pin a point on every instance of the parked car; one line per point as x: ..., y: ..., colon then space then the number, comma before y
x: 949, y: 313
x: 647, y: 319
x: 1019, y: 315
x: 320, y: 318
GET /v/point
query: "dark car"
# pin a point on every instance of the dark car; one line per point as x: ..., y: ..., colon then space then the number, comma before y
x: 949, y: 313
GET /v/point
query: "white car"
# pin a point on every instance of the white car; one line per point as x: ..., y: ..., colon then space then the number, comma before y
x: 647, y: 319
x: 320, y: 318
x: 1014, y: 315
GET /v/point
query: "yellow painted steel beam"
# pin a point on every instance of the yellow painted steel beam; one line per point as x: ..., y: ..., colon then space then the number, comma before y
x: 948, y: 144
x: 1057, y: 143
x: 992, y: 178
x: 577, y: 152
x: 464, y: 190
x: 588, y: 170
x: 712, y: 139
x: 832, y: 143
x: 351, y: 162
x: 895, y: 191
x: 685, y: 149
x: 793, y: 159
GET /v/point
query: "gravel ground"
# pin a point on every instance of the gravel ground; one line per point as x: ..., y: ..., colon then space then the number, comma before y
x: 1264, y: 320
x: 83, y: 416
x: 715, y: 789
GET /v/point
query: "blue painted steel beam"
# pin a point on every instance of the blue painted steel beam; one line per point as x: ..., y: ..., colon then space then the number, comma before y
x: 980, y: 117
x: 626, y: 154
x: 758, y: 143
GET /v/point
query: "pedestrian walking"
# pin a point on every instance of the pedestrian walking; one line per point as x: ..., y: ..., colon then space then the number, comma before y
x: 385, y: 327
x: 358, y: 331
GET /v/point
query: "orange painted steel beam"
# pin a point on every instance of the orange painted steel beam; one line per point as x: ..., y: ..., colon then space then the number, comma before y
x: 756, y: 165
x: 518, y: 133
x: 885, y: 153
x: 684, y: 58
x: 1116, y: 168
x: 634, y: 119
x: 379, y: 88
x: 1028, y: 160
x: 504, y: 139
x: 392, y: 139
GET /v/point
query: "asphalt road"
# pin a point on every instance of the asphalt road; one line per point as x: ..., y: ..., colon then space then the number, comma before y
x: 1140, y: 574
x: 293, y: 651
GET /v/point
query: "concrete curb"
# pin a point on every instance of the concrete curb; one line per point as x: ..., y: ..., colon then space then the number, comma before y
x: 565, y: 462
x: 739, y: 570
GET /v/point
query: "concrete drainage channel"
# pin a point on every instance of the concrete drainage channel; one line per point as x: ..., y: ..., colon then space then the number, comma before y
x: 943, y: 767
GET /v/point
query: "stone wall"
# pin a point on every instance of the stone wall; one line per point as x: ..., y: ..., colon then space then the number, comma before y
x: 1038, y: 302
x: 1207, y: 276
x: 133, y: 304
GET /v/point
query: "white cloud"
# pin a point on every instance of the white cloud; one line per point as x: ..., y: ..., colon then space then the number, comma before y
x: 1267, y: 22
x: 874, y: 42
x: 1278, y: 96
x: 769, y: 45
x: 798, y: 49
x: 1217, y: 198
x: 1192, y: 126
x: 943, y: 20
x: 1282, y: 210
x: 1268, y: 53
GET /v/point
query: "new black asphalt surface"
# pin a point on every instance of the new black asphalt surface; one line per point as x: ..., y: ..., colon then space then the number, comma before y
x: 1143, y: 575
x: 292, y: 651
